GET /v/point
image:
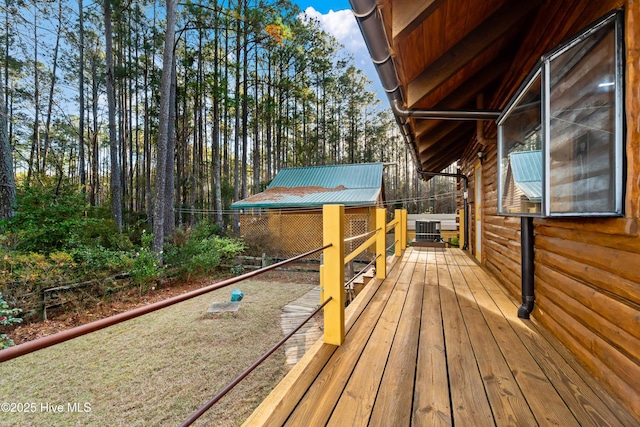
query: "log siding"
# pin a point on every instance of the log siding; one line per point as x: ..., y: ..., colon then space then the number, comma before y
x: 587, y: 275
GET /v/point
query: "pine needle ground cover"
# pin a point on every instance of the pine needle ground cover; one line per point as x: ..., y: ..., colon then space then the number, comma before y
x: 156, y: 369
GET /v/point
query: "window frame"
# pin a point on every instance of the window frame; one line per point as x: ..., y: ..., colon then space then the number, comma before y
x: 542, y: 69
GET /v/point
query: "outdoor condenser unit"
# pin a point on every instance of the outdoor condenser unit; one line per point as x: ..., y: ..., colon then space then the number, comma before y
x: 427, y: 231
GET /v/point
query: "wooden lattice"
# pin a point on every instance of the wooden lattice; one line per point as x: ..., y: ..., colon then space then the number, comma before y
x: 284, y: 235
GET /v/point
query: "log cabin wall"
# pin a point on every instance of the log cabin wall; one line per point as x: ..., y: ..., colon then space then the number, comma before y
x: 587, y: 271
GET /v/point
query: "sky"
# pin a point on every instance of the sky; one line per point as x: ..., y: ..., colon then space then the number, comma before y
x: 337, y: 19
x: 324, y: 6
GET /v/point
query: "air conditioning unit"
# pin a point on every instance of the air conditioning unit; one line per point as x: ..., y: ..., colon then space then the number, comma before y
x: 428, y: 231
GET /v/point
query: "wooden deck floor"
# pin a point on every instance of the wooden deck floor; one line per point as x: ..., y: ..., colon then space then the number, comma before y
x: 439, y: 343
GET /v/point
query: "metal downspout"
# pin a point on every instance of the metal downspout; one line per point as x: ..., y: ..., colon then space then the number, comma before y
x: 371, y: 26
x: 526, y: 252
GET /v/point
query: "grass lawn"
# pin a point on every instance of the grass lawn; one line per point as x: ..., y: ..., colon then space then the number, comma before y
x: 157, y: 369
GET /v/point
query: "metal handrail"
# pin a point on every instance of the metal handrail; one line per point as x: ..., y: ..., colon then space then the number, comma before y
x: 250, y: 369
x: 392, y: 245
x: 362, y: 236
x: 48, y: 341
x: 392, y: 224
x: 362, y: 271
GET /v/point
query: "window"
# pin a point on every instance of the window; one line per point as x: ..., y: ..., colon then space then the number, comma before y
x: 560, y: 140
x: 521, y: 153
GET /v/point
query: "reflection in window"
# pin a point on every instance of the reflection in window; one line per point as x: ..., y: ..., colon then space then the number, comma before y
x: 560, y: 141
x: 582, y: 124
x: 521, y: 155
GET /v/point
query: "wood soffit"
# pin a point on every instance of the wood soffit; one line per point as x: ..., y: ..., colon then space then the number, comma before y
x: 446, y: 53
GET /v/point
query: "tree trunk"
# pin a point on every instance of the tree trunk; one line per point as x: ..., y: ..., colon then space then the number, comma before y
x: 215, y: 143
x: 256, y: 140
x: 7, y: 183
x: 245, y: 107
x: 95, y: 178
x: 34, y: 156
x: 47, y: 128
x: 170, y: 212
x: 163, y: 131
x: 83, y: 177
x: 116, y: 188
x: 236, y: 134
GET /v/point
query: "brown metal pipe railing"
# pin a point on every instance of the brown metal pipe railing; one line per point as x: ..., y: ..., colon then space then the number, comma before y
x: 250, y: 369
x: 362, y: 236
x: 363, y: 270
x: 48, y: 341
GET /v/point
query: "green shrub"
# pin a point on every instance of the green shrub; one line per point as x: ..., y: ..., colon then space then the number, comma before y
x: 97, y: 260
x: 8, y: 316
x: 53, y: 217
x: 202, y: 250
x: 146, y: 268
x: 36, y: 271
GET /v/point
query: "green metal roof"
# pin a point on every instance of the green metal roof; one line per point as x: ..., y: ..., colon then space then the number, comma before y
x: 350, y: 185
x: 527, y: 173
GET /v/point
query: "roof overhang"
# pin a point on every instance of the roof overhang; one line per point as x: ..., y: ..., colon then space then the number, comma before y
x: 436, y: 59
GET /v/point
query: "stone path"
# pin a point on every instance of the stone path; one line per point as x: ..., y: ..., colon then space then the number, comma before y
x: 292, y: 315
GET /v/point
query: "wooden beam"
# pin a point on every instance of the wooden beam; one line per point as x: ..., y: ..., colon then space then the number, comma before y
x: 466, y: 92
x: 453, y: 151
x: 466, y: 50
x: 444, y: 129
x: 443, y: 164
x: 442, y: 146
x: 408, y: 15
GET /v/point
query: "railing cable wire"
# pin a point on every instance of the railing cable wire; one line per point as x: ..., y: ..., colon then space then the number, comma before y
x: 362, y: 236
x: 247, y: 371
x: 44, y: 342
x: 362, y: 271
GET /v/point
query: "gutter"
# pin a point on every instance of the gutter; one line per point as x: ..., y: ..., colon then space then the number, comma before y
x: 369, y: 20
x: 371, y: 26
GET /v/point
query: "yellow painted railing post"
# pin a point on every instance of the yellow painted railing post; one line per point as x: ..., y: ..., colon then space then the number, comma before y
x: 398, y: 232
x: 333, y: 273
x: 404, y: 228
x: 461, y: 224
x: 321, y: 273
x: 381, y: 243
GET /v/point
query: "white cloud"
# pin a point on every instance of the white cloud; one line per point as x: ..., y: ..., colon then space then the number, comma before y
x: 343, y: 26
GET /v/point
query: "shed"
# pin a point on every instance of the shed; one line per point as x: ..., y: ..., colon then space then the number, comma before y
x: 286, y: 219
x: 523, y: 181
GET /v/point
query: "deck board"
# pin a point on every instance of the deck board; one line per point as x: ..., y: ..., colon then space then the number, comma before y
x: 509, y: 406
x: 469, y: 402
x: 439, y: 343
x: 393, y: 403
x: 569, y: 380
x: 331, y: 381
x: 354, y: 408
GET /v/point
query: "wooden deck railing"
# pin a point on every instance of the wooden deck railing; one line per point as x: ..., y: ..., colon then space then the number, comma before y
x: 331, y: 280
x: 332, y: 269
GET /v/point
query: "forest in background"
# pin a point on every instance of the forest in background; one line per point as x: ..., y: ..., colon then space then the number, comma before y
x: 100, y: 122
x: 258, y: 87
